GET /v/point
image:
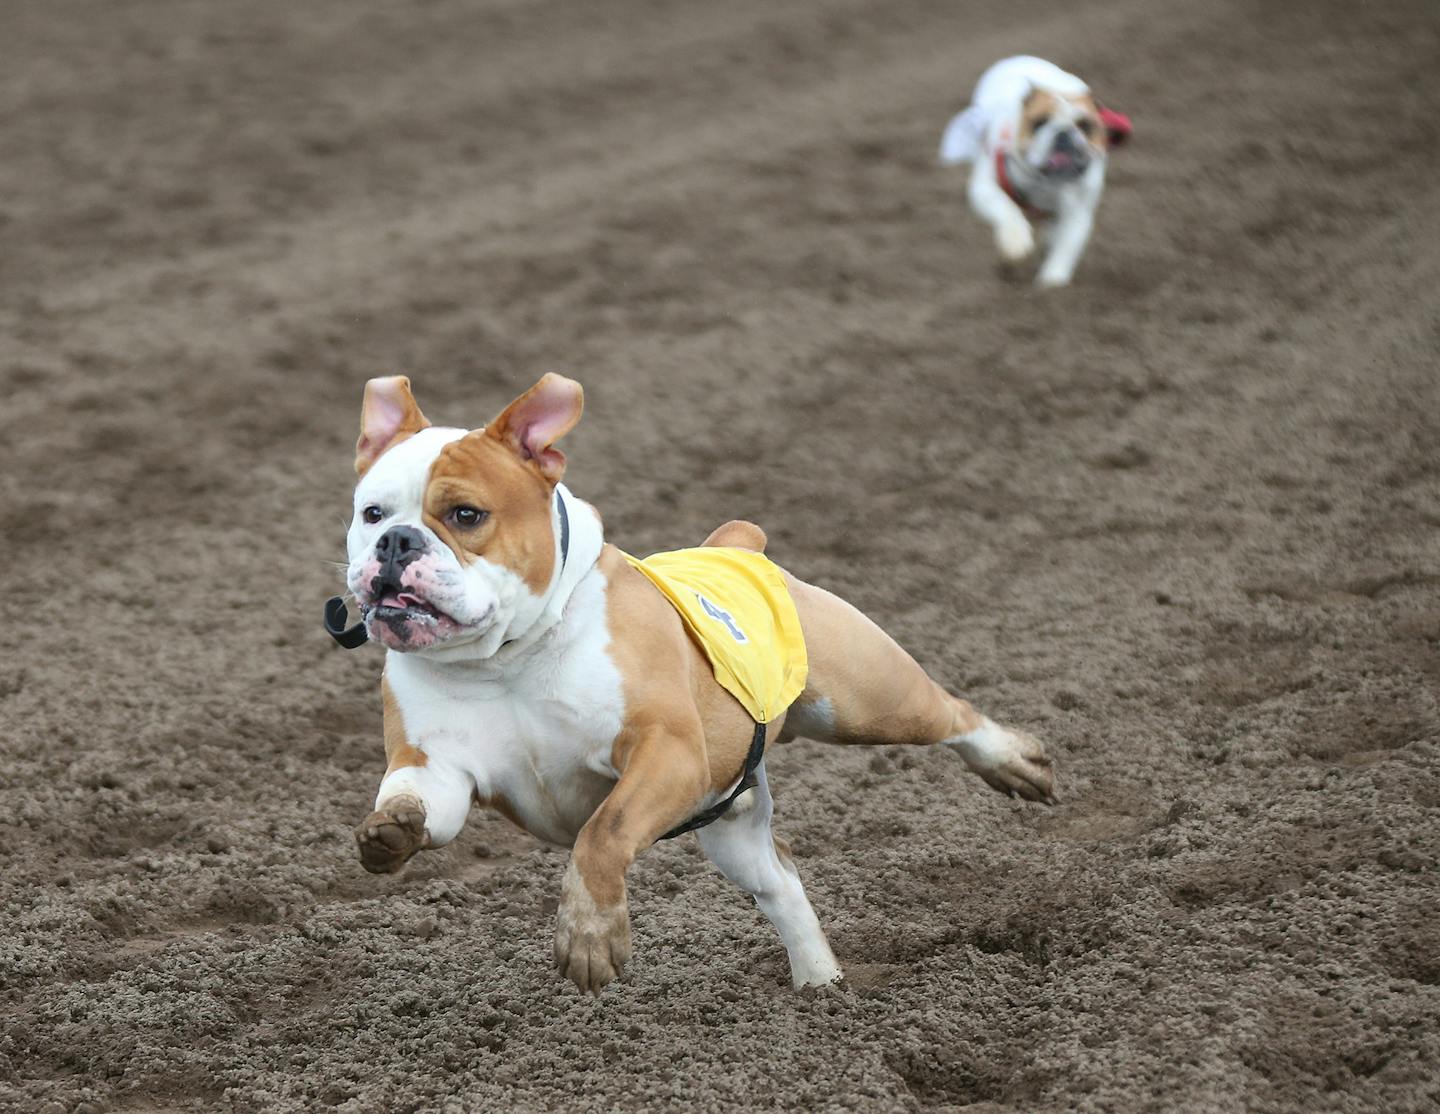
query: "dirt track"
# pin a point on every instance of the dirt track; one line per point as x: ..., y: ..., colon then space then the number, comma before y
x: 1183, y: 520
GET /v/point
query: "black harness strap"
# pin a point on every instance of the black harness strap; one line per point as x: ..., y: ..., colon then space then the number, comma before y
x: 352, y: 638
x: 747, y: 781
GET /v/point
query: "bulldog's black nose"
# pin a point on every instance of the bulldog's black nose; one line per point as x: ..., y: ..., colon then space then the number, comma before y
x: 397, y: 547
x: 1065, y: 143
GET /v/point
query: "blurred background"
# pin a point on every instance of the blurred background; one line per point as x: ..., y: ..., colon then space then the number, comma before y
x: 1180, y: 520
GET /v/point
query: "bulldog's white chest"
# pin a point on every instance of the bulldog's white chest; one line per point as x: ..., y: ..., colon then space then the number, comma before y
x: 534, y: 736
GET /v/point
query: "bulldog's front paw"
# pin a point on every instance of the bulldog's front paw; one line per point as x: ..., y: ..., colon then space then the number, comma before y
x: 1051, y: 278
x: 1010, y: 762
x: 1015, y: 239
x: 592, y: 944
x: 391, y: 834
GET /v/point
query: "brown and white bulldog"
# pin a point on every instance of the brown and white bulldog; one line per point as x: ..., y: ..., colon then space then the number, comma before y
x: 531, y: 669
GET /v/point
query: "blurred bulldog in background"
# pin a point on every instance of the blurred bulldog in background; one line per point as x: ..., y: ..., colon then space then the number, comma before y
x: 1037, y: 142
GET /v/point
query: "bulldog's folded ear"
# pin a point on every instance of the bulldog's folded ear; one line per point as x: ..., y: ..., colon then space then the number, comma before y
x: 1118, y: 127
x: 531, y: 424
x: 388, y: 414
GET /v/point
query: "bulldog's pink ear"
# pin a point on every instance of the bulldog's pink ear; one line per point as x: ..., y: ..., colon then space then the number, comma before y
x: 388, y: 414
x: 537, y: 419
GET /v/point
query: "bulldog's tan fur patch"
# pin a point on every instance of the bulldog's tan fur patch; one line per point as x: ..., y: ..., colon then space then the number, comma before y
x: 481, y: 472
x: 871, y: 689
x: 1042, y: 104
x: 1089, y: 122
x: 1039, y: 106
x: 509, y: 470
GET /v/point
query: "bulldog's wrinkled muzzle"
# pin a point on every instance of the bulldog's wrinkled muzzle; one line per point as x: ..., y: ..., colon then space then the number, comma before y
x: 396, y: 548
x: 1068, y: 156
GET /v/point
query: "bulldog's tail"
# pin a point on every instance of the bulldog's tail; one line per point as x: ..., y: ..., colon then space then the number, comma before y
x: 964, y: 138
x: 738, y: 534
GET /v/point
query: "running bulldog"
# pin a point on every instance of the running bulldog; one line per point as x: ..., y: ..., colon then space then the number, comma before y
x: 600, y: 702
x: 1038, y: 143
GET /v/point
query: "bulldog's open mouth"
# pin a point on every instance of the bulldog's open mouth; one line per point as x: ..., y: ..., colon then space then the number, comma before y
x: 1061, y: 164
x: 406, y: 607
x: 401, y: 620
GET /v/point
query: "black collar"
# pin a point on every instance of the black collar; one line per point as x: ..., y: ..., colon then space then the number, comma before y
x: 352, y: 638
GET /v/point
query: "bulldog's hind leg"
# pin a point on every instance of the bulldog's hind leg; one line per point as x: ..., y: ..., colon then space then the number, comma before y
x: 863, y: 688
x: 747, y: 852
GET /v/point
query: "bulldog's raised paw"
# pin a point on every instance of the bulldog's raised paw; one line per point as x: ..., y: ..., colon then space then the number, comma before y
x: 1015, y: 240
x: 592, y: 944
x: 391, y: 834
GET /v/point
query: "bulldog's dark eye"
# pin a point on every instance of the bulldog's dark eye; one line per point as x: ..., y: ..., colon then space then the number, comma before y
x: 1039, y: 122
x: 372, y: 514
x: 1086, y: 125
x: 467, y: 518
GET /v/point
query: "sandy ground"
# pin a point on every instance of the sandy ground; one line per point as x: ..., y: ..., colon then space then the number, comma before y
x: 1180, y: 519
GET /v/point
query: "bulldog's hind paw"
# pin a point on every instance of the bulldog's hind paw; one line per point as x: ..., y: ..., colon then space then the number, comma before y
x: 1026, y: 771
x: 1010, y: 762
x: 390, y: 835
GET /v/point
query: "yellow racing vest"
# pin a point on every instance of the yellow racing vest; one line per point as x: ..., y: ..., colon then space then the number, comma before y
x: 735, y: 605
